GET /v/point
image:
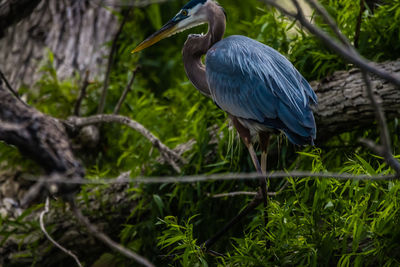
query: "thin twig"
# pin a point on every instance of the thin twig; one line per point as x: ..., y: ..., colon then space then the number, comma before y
x: 385, y: 149
x: 237, y: 193
x: 9, y: 87
x: 92, y: 229
x: 358, y: 25
x: 381, y: 151
x: 127, y: 89
x: 42, y: 226
x: 123, y: 179
x: 110, y: 62
x: 82, y: 94
x: 379, y: 114
x: 352, y: 57
x: 168, y: 154
x: 245, y: 193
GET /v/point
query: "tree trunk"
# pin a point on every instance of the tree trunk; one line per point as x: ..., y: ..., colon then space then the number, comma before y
x: 71, y: 29
x: 344, y: 105
x: 75, y: 35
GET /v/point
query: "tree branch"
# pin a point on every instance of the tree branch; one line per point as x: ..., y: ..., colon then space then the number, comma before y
x: 168, y: 154
x: 106, y: 240
x: 41, y: 220
x: 127, y: 89
x: 12, y: 11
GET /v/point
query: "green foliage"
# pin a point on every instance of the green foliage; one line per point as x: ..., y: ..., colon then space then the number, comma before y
x: 181, y: 238
x: 311, y: 222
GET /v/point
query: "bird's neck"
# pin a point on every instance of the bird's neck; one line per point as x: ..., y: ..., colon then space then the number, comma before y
x: 197, y: 45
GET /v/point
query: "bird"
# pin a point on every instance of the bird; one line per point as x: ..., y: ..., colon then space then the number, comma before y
x: 259, y: 88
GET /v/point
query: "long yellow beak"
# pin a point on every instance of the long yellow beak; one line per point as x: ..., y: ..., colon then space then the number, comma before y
x: 165, y: 31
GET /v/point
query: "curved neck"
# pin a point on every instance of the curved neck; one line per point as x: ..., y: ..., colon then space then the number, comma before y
x: 198, y: 45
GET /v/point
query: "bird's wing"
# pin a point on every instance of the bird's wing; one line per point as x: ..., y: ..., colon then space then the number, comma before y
x: 253, y: 81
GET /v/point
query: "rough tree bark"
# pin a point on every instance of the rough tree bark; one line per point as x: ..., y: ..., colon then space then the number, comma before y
x: 344, y: 105
x: 108, y: 208
x: 71, y: 29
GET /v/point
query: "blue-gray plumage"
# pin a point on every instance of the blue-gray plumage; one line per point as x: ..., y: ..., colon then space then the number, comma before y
x: 260, y: 87
x: 256, y: 85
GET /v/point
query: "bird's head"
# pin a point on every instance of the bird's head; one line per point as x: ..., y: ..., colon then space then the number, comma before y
x: 192, y: 14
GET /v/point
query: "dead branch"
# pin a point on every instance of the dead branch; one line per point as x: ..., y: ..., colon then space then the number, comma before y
x: 43, y: 138
x: 42, y: 226
x: 358, y: 24
x: 124, y: 178
x: 106, y: 240
x: 109, y: 207
x: 234, y: 194
x: 127, y: 89
x: 82, y: 94
x: 168, y: 154
x: 245, y: 193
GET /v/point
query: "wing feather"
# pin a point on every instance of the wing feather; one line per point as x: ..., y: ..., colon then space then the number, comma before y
x: 253, y: 81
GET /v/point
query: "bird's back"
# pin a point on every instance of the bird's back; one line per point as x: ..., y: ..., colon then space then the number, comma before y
x: 260, y: 87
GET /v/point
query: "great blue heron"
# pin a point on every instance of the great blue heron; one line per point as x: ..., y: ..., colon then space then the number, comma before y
x: 259, y: 88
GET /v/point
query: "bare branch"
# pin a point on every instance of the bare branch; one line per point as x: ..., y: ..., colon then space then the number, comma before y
x: 234, y: 194
x: 346, y: 53
x: 244, y: 193
x: 82, y: 94
x: 9, y: 87
x: 127, y: 89
x: 383, y: 152
x: 92, y: 229
x: 42, y: 226
x: 168, y: 154
x: 379, y: 114
x: 123, y: 179
x: 358, y: 25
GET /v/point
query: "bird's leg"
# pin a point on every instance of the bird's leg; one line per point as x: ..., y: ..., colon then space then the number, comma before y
x: 262, y: 194
x: 264, y: 143
x: 263, y: 184
x: 246, y: 137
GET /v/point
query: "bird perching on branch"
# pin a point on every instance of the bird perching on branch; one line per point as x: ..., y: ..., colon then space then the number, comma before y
x: 259, y: 88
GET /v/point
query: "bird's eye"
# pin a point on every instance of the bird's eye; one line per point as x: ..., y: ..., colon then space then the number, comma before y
x: 184, y: 12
